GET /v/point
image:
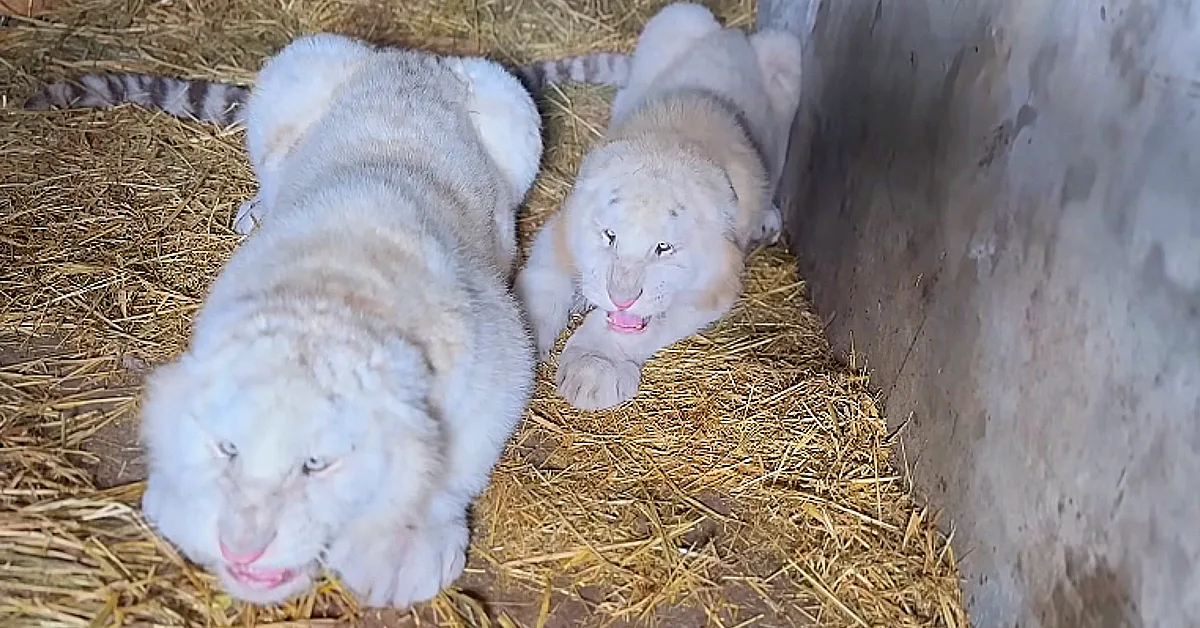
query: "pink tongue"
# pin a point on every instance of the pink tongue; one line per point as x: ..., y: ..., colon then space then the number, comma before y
x: 625, y: 320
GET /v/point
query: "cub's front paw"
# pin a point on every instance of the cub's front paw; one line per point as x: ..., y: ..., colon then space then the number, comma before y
x: 590, y: 381
x: 249, y: 214
x: 434, y: 563
x: 544, y: 339
x: 408, y: 568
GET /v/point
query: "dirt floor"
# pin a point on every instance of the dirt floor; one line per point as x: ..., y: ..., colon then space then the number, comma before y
x: 749, y: 483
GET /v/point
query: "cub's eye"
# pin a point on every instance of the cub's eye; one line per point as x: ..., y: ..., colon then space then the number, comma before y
x: 663, y: 248
x: 610, y: 236
x: 227, y: 449
x: 315, y: 465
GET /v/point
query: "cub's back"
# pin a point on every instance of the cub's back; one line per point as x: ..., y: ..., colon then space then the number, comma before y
x: 402, y: 123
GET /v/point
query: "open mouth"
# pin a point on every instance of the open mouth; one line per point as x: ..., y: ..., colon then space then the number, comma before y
x: 626, y: 323
x: 260, y: 578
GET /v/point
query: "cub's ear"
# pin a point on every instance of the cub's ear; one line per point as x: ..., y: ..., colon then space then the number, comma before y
x: 399, y: 381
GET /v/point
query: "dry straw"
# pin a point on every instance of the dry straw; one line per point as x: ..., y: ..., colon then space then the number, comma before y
x: 748, y: 484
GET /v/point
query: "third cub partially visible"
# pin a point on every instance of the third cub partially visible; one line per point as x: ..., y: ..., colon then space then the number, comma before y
x: 666, y: 206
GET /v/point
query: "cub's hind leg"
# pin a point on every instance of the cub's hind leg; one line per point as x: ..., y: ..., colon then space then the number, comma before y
x: 665, y: 38
x: 780, y: 60
x: 546, y: 286
x: 668, y: 35
x: 507, y: 122
x: 294, y: 90
x: 506, y: 119
x: 779, y: 55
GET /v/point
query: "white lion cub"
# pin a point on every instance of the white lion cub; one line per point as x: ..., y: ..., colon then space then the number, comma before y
x: 360, y: 362
x: 667, y: 204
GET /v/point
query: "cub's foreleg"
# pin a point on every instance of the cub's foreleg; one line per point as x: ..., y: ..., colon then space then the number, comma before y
x: 546, y: 286
x: 601, y: 368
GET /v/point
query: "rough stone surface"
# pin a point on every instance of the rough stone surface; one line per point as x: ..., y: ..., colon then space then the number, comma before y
x: 997, y: 203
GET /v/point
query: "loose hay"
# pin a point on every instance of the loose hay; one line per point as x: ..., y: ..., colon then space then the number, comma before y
x: 748, y: 484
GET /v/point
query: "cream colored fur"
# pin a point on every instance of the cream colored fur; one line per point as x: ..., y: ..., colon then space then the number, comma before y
x: 359, y: 363
x: 667, y: 204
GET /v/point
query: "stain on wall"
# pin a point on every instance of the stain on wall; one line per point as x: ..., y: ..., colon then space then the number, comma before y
x: 1091, y: 593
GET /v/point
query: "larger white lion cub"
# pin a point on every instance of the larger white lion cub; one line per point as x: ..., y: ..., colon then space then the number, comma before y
x: 666, y: 205
x: 359, y: 363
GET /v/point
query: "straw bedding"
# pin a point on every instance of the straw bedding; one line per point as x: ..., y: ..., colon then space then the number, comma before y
x: 748, y: 484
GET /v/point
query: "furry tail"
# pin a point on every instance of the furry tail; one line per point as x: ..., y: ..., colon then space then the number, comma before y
x: 208, y: 101
x: 602, y: 68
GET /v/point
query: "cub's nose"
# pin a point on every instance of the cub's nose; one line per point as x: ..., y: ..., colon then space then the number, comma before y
x: 240, y: 558
x: 624, y: 304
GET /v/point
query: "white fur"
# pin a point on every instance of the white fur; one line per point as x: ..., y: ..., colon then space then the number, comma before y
x: 366, y: 323
x: 679, y: 167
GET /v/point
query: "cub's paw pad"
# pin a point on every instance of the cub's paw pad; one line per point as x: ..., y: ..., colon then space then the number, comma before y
x: 594, y: 382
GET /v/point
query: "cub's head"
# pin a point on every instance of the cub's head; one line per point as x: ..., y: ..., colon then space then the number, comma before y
x: 648, y: 227
x: 263, y: 448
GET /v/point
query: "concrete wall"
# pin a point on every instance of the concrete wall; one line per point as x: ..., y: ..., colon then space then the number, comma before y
x: 999, y: 201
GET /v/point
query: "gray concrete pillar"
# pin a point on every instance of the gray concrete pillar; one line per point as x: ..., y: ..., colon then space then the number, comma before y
x: 998, y: 203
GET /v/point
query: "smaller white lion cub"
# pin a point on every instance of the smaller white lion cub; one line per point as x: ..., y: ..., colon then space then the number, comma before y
x: 360, y: 362
x: 667, y: 204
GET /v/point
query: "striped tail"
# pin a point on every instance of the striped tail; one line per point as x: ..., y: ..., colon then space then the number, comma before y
x: 207, y: 101
x: 602, y: 68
